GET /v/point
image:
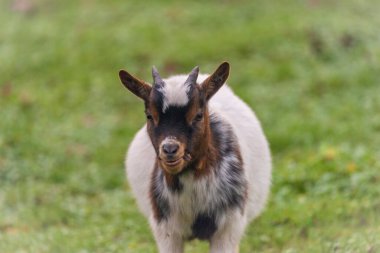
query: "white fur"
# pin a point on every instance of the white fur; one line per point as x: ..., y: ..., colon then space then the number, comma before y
x: 197, y: 196
x: 257, y: 166
x: 175, y: 92
x: 168, y: 140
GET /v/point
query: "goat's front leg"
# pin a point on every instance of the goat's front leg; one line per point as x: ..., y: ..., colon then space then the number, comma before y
x: 167, y: 241
x: 220, y: 246
x: 227, y: 239
x: 170, y: 244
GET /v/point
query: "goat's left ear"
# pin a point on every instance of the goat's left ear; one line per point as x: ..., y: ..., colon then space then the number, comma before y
x: 213, y: 83
x: 135, y: 85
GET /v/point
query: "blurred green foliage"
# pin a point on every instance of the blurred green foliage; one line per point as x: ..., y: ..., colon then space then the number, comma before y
x: 310, y: 70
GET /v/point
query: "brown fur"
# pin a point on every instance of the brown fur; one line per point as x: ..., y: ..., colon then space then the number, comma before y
x: 155, y: 114
x: 135, y: 85
x: 213, y: 83
x: 156, y: 210
x: 204, y: 155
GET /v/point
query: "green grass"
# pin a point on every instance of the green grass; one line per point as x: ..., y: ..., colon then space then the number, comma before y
x: 310, y: 70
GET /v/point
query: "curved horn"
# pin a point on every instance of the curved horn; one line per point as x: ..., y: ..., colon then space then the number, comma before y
x: 192, y: 79
x: 157, y: 80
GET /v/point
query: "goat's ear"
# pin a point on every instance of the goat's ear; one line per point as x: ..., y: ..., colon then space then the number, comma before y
x: 136, y: 86
x: 213, y: 83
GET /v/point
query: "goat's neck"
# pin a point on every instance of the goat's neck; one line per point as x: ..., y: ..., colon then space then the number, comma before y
x: 207, y: 153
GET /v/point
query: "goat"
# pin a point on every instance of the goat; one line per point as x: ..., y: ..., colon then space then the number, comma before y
x: 200, y: 168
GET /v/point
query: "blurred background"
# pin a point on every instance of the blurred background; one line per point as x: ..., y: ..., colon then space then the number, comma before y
x: 310, y: 70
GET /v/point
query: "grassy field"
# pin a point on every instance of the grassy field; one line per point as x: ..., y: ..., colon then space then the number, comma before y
x: 310, y: 70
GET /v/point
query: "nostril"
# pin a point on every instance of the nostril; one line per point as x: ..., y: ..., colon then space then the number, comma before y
x: 170, y: 148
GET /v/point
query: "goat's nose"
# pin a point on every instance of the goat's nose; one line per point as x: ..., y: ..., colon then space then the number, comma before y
x: 170, y: 148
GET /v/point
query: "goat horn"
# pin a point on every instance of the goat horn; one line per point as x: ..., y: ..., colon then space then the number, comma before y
x: 157, y: 80
x: 192, y: 79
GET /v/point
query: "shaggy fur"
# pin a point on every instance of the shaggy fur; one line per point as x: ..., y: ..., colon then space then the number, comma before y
x: 215, y: 204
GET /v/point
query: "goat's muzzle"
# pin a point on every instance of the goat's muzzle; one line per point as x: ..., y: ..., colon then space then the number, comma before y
x: 172, y: 156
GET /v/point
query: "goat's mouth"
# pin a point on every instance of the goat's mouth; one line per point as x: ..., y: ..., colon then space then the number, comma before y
x: 173, y: 162
x: 173, y: 165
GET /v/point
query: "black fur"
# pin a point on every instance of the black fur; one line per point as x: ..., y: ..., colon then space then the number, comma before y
x: 176, y: 186
x: 230, y: 176
x: 159, y: 202
x: 204, y: 226
x: 235, y: 185
x: 173, y: 122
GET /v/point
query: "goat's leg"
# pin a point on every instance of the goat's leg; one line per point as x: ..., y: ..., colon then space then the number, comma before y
x: 227, y: 240
x: 219, y: 245
x: 166, y: 240
x: 171, y: 245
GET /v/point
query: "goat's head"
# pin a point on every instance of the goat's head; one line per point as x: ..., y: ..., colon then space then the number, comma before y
x: 177, y: 114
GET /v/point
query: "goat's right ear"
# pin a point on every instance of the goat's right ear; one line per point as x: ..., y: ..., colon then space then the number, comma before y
x: 135, y: 85
x: 213, y: 83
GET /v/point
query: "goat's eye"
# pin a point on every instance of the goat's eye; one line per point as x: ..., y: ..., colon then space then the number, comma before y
x: 149, y: 117
x: 199, y: 117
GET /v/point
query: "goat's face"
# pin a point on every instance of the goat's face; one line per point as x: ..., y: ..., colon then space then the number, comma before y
x: 176, y: 129
x: 177, y: 115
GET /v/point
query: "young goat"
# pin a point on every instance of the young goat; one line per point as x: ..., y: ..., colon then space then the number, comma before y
x: 200, y: 167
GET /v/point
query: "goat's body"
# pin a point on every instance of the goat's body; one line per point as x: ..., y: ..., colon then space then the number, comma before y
x: 190, y: 209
